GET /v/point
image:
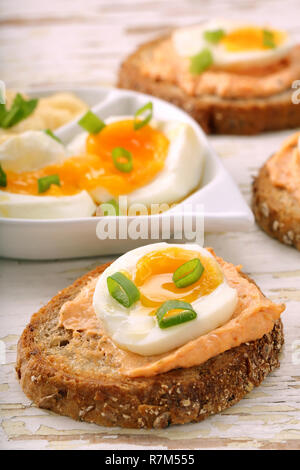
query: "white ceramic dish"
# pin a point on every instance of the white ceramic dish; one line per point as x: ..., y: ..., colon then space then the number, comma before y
x: 224, y: 206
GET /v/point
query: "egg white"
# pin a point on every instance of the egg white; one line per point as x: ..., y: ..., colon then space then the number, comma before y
x: 24, y: 206
x: 189, y: 41
x: 182, y: 171
x: 31, y: 151
x: 134, y: 330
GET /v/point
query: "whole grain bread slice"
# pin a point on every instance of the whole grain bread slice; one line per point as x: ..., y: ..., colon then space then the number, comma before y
x: 215, y: 115
x: 276, y: 211
x: 90, y: 389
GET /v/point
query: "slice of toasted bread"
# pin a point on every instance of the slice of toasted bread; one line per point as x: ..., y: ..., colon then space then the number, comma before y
x: 95, y: 392
x: 276, y: 211
x: 214, y: 114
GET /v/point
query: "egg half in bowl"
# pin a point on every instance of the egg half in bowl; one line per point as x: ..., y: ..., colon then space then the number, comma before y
x: 158, y: 297
x: 150, y: 162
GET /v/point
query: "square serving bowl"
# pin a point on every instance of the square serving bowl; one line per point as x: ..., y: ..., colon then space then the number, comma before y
x: 224, y: 208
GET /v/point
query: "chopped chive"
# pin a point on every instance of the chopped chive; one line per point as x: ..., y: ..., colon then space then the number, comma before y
x: 91, y: 123
x: 214, y: 36
x: 118, y: 155
x: 268, y: 39
x: 3, y: 113
x: 187, y: 313
x: 20, y: 109
x: 3, y: 178
x: 137, y: 124
x: 122, y: 289
x: 45, y: 182
x: 50, y: 133
x: 201, y: 62
x: 188, y: 273
x: 110, y: 208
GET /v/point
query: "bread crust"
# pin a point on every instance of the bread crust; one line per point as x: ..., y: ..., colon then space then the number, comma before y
x: 276, y: 211
x: 215, y: 115
x: 109, y: 399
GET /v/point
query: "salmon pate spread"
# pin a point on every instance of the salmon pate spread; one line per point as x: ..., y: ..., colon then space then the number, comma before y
x: 227, y: 60
x: 284, y: 166
x: 250, y: 315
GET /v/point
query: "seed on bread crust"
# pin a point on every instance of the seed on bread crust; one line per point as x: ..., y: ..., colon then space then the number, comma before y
x: 276, y: 211
x: 215, y: 115
x: 264, y: 209
x: 105, y: 397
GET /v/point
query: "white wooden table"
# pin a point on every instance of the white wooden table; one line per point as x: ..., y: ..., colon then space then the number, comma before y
x: 83, y: 42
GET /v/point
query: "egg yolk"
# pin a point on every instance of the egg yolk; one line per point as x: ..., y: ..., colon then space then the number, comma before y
x: 248, y: 39
x: 154, y: 277
x: 148, y: 146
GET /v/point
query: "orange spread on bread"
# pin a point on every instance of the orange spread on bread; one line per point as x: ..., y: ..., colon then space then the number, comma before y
x: 226, y: 82
x: 284, y: 166
x: 253, y: 317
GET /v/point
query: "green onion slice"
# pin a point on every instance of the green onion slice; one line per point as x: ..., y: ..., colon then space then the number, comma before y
x: 137, y: 124
x: 187, y: 313
x: 45, y: 182
x: 122, y: 289
x: 50, y: 133
x: 188, y: 273
x: 91, y: 123
x: 110, y: 207
x: 268, y: 39
x: 119, y: 154
x: 214, y: 36
x: 3, y: 113
x: 20, y: 109
x: 201, y: 62
x: 3, y: 179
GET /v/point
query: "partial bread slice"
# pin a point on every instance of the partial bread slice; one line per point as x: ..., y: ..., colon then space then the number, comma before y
x: 276, y: 211
x: 101, y: 395
x: 214, y: 114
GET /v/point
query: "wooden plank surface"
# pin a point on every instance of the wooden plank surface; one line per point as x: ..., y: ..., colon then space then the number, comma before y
x: 83, y: 42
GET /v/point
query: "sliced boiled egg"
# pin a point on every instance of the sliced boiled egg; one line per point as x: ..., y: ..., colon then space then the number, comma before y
x: 150, y: 269
x: 30, y: 151
x: 168, y: 160
x: 233, y: 43
x: 46, y: 207
x: 166, y: 164
x: 24, y: 158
